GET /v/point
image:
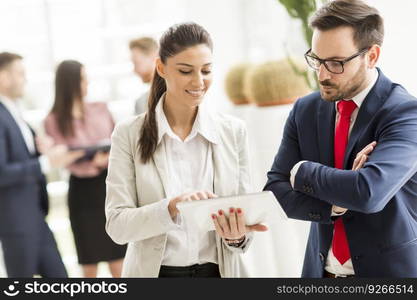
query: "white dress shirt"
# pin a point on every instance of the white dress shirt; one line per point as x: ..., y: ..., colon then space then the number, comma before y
x: 14, y: 110
x: 190, y: 168
x: 332, y: 264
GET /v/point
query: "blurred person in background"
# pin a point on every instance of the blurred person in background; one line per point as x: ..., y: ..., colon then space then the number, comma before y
x: 178, y: 151
x: 76, y: 123
x: 29, y: 247
x: 144, y: 52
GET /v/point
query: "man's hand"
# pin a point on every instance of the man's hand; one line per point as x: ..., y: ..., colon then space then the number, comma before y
x: 101, y: 160
x: 44, y: 143
x: 362, y: 156
x: 58, y: 155
x: 358, y: 163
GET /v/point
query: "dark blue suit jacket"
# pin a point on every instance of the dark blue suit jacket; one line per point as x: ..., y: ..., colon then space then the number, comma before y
x: 381, y: 223
x: 23, y: 197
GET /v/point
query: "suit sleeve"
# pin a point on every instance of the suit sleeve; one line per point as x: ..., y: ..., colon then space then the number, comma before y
x: 19, y: 172
x: 389, y: 167
x: 245, y: 181
x: 296, y: 204
x: 124, y: 217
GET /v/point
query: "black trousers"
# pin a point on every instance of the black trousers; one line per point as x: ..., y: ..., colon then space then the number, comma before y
x: 204, y: 270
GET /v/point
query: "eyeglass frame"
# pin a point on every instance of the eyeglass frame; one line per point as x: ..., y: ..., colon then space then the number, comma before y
x: 342, y: 62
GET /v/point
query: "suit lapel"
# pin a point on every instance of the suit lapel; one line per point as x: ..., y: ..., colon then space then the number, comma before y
x: 225, y: 163
x: 161, y: 164
x: 371, y: 104
x: 326, y: 122
x: 14, y: 127
x: 219, y: 184
x: 37, y: 153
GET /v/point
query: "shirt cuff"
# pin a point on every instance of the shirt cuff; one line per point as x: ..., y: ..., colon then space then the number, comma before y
x: 164, y: 217
x: 336, y: 214
x: 45, y: 165
x: 294, y: 171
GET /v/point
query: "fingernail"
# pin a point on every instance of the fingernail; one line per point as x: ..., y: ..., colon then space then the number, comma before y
x: 220, y: 212
x: 213, y: 216
x: 239, y: 211
x: 232, y: 210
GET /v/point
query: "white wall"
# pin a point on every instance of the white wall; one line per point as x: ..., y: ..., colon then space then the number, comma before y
x: 398, y: 56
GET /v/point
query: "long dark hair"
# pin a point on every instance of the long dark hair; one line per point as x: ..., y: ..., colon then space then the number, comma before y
x: 176, y: 39
x: 67, y: 91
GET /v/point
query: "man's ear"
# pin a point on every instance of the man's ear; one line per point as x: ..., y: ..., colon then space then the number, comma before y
x: 160, y: 67
x: 373, y: 55
x: 4, y: 77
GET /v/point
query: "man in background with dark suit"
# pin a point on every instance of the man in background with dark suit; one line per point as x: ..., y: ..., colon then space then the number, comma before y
x: 364, y: 221
x: 29, y: 247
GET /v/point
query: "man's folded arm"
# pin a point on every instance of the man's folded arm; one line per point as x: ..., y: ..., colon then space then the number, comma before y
x: 296, y: 204
x: 368, y: 190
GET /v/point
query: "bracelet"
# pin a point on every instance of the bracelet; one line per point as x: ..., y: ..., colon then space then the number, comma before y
x: 235, y: 242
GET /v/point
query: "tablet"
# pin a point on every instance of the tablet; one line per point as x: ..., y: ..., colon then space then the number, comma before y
x: 90, y: 151
x: 260, y: 207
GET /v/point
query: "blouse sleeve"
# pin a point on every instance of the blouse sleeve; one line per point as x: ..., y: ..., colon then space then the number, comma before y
x: 80, y: 169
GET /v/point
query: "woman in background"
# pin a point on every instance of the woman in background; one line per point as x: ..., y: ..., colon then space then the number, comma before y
x: 75, y: 123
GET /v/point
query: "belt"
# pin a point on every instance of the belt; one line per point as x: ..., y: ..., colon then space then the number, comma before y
x: 331, y: 275
x: 203, y: 270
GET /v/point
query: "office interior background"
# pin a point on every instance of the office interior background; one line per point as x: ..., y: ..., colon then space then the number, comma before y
x: 97, y: 33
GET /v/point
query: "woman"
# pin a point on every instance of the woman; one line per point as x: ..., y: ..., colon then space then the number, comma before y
x: 175, y: 152
x: 75, y: 123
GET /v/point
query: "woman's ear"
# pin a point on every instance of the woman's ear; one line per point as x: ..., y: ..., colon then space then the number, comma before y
x: 160, y: 67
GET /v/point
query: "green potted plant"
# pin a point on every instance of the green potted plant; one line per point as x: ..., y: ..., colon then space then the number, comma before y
x: 234, y: 82
x: 302, y: 10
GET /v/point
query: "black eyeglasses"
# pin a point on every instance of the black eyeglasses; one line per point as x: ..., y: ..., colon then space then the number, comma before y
x: 332, y: 65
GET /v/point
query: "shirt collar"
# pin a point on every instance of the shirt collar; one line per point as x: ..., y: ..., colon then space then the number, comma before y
x: 11, y: 106
x: 360, y: 97
x: 203, y: 124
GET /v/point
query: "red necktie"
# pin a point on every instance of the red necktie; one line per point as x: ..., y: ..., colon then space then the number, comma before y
x: 345, y: 108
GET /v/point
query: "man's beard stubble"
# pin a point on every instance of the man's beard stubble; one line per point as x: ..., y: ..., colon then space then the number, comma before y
x: 352, y: 87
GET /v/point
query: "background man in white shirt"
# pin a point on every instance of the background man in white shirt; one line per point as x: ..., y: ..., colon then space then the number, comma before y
x: 144, y: 52
x: 28, y: 245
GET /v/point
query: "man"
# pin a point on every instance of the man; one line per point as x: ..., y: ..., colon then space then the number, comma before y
x: 28, y: 245
x: 144, y: 52
x: 363, y: 220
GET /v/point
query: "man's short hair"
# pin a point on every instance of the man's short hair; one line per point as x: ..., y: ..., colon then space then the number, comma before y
x: 146, y: 44
x: 6, y: 58
x: 364, y: 19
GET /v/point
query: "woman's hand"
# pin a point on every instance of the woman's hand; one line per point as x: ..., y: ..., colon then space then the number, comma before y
x: 199, y: 195
x: 234, y: 227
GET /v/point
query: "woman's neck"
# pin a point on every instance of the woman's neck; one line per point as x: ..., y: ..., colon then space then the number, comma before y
x: 77, y: 109
x: 180, y: 117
